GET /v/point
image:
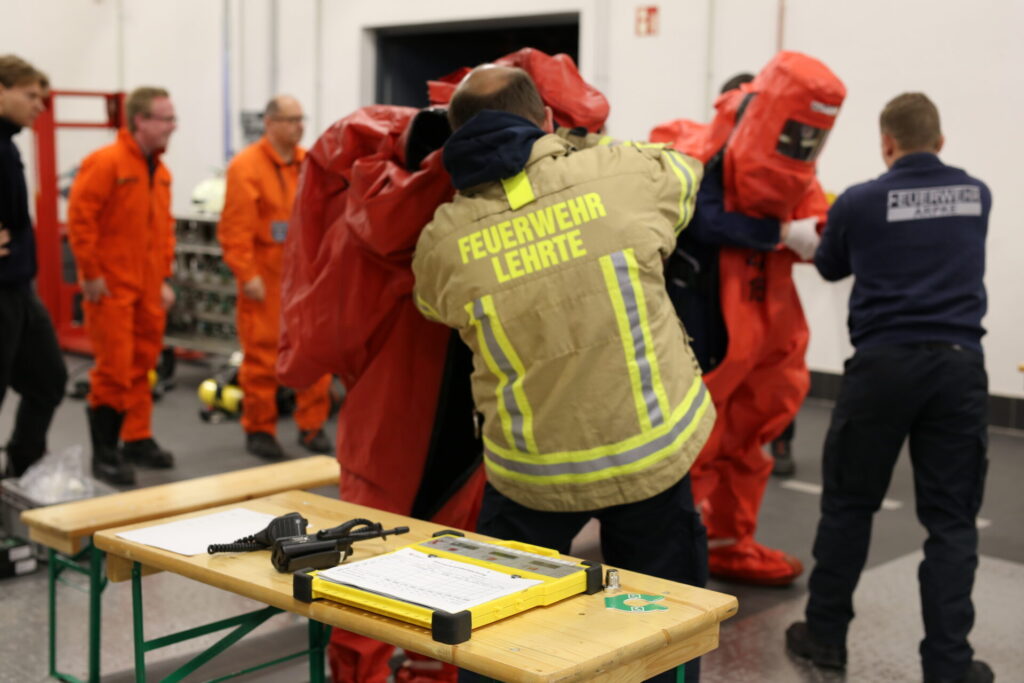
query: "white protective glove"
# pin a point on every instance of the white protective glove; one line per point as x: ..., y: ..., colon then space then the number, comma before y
x: 802, y: 237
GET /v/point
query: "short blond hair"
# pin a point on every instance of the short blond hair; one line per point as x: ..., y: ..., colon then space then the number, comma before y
x: 140, y: 101
x: 16, y: 71
x: 912, y: 120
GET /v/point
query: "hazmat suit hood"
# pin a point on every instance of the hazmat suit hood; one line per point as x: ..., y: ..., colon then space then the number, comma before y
x: 574, y: 102
x: 767, y: 135
x: 788, y: 111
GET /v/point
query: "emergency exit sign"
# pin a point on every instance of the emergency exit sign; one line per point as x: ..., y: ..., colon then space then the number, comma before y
x: 647, y: 20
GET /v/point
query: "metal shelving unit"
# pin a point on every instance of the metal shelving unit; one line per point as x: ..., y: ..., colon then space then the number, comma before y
x: 203, y: 316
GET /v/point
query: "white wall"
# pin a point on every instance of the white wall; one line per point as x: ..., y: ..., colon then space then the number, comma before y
x: 967, y: 58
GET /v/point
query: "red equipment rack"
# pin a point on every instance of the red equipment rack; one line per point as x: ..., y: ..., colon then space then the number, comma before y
x: 60, y: 297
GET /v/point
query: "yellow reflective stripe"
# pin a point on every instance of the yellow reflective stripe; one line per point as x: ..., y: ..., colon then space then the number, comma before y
x: 520, y: 370
x: 426, y: 309
x: 687, y: 186
x: 611, y: 281
x: 606, y: 140
x: 632, y: 442
x: 518, y: 190
x: 606, y: 473
x: 652, y: 357
x: 492, y: 365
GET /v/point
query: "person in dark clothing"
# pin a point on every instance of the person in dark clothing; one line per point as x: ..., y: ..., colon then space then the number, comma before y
x: 648, y: 520
x: 914, y: 240
x: 30, y: 360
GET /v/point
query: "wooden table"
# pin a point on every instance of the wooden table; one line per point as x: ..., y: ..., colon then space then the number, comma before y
x: 578, y: 639
x: 67, y: 529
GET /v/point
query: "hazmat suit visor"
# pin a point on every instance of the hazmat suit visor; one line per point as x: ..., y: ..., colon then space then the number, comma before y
x: 801, y: 141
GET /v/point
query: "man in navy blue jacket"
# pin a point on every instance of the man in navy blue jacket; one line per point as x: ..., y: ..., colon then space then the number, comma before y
x: 914, y: 240
x: 30, y: 360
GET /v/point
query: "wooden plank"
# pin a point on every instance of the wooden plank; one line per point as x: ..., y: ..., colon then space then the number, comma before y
x: 62, y: 543
x: 64, y: 525
x: 577, y: 639
x: 120, y: 569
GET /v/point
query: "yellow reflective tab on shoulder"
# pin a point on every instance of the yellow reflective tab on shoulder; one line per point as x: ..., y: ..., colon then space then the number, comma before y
x: 426, y: 309
x: 518, y: 190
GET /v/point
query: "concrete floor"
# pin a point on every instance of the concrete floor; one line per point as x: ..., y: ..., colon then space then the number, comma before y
x: 883, y: 641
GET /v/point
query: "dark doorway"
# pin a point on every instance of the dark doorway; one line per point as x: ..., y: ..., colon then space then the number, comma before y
x: 409, y: 56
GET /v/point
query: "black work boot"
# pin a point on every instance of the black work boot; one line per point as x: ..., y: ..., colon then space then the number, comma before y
x: 264, y: 445
x: 977, y: 672
x: 22, y: 456
x: 147, y: 453
x: 108, y: 462
x: 800, y: 642
x: 782, y: 451
x: 315, y: 441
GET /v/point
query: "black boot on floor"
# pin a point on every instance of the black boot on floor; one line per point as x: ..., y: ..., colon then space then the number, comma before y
x: 979, y: 672
x: 800, y: 642
x: 315, y: 441
x: 263, y: 445
x: 108, y: 463
x: 20, y: 457
x: 147, y: 453
x: 782, y: 451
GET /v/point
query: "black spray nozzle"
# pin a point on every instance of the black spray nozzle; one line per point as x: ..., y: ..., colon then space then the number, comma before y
x: 327, y: 547
x: 291, y: 524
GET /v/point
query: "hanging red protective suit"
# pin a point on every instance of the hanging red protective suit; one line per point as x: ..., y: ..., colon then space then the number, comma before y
x: 766, y: 135
x: 347, y: 310
x: 574, y: 102
x: 370, y: 185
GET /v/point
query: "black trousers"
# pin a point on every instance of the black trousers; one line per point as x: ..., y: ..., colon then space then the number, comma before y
x: 662, y: 536
x: 32, y: 365
x: 937, y: 396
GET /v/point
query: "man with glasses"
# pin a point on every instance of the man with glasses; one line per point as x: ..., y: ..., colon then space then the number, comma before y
x: 122, y: 234
x: 261, y: 185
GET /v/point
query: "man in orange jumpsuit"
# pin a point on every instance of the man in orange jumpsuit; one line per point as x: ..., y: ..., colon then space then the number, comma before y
x: 122, y: 235
x: 261, y: 184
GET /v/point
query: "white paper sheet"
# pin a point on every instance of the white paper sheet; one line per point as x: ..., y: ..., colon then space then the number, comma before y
x: 192, y: 536
x: 435, y: 582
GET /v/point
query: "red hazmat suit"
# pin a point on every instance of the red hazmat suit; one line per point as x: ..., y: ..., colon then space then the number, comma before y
x: 369, y: 186
x: 347, y: 309
x: 575, y: 103
x: 768, y: 171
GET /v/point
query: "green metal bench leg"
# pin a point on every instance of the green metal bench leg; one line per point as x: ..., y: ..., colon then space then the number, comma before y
x: 96, y: 586
x: 318, y: 635
x: 137, y: 631
x: 57, y: 564
x: 51, y: 567
x: 243, y: 624
x: 681, y: 673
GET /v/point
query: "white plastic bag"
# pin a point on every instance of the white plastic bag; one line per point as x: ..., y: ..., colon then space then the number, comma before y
x: 62, y: 477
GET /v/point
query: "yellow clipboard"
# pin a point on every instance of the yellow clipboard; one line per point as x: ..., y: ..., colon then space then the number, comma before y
x: 442, y: 583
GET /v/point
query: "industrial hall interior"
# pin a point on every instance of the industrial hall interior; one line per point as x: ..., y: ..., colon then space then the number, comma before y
x: 549, y: 341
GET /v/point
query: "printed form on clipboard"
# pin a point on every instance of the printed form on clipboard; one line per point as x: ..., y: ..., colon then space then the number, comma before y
x: 428, y: 580
x: 452, y: 584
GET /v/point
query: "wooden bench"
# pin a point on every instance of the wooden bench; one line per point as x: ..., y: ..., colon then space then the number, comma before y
x: 595, y: 638
x: 66, y: 529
